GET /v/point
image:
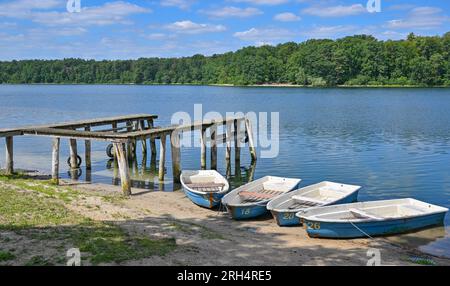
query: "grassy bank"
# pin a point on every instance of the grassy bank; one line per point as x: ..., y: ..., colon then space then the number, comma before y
x: 37, y: 228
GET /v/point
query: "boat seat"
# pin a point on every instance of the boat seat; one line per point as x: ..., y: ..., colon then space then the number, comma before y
x: 363, y: 214
x: 301, y: 199
x: 261, y: 195
x: 207, y: 187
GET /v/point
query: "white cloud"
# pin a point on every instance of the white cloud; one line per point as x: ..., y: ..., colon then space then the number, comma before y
x: 330, y: 31
x: 287, y: 17
x: 227, y: 12
x: 107, y: 14
x: 268, y: 35
x: 182, y: 4
x: 262, y: 2
x: 190, y: 27
x: 420, y: 18
x: 24, y: 8
x: 335, y: 11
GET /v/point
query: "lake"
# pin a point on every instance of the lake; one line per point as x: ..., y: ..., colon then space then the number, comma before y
x: 393, y: 142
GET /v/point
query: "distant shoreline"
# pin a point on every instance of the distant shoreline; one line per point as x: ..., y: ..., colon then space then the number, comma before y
x: 267, y: 85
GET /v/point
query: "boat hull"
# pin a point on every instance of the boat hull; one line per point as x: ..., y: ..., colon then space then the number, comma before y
x: 210, y: 200
x: 373, y: 228
x: 288, y: 218
x: 247, y: 212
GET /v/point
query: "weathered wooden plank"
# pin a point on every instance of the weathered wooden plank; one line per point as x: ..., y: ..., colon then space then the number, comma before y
x: 79, y: 124
x: 228, y: 142
x: 237, y: 148
x: 251, y: 142
x: 87, y: 151
x: 9, y: 169
x: 124, y: 170
x: 213, y: 130
x: 55, y: 160
x: 151, y: 125
x: 73, y: 154
x: 76, y: 134
x: 203, y: 148
x: 176, y: 156
x: 181, y: 128
x: 130, y: 143
x: 141, y: 127
x: 162, y: 157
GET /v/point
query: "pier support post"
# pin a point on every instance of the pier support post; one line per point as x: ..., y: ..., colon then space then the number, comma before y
x: 237, y: 147
x: 87, y: 151
x: 120, y: 149
x: 176, y: 156
x: 162, y: 157
x: 203, y: 148
x: 228, y: 143
x: 55, y: 160
x: 251, y: 142
x: 9, y: 156
x: 152, y: 140
x: 144, y: 140
x: 130, y: 144
x: 213, y: 131
x: 73, y: 154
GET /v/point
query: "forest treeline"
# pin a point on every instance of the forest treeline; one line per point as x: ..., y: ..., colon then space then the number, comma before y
x: 355, y: 60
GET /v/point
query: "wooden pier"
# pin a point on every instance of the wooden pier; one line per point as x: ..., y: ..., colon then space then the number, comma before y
x: 124, y: 132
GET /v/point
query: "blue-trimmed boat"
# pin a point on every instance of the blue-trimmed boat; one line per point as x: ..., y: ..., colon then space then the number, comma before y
x: 250, y: 200
x: 284, y: 207
x: 204, y: 188
x: 367, y: 219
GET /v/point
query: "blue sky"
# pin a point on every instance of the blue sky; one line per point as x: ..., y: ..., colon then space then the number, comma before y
x: 128, y: 29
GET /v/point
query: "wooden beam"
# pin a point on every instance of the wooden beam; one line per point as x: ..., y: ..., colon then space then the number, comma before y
x: 151, y: 125
x: 228, y: 142
x: 78, y: 124
x: 176, y: 156
x: 144, y: 140
x: 73, y: 154
x: 203, y: 148
x: 251, y: 142
x: 124, y: 169
x: 162, y: 157
x: 130, y: 143
x: 87, y: 151
x: 9, y: 155
x: 55, y: 160
x: 213, y: 131
x: 77, y: 134
x: 237, y: 148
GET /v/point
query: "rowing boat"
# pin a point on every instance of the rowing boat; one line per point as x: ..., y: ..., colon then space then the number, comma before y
x: 250, y: 200
x: 369, y: 219
x: 204, y: 188
x: 286, y: 206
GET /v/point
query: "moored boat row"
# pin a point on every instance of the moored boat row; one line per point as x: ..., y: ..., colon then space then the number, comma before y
x: 326, y: 209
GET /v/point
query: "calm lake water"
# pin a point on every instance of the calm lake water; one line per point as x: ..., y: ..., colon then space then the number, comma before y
x: 393, y: 142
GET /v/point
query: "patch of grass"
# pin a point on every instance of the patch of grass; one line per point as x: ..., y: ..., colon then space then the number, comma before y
x: 6, y: 255
x: 422, y: 261
x: 45, y: 187
x: 25, y: 209
x: 205, y: 232
x: 38, y: 260
x: 111, y: 244
x: 45, y: 218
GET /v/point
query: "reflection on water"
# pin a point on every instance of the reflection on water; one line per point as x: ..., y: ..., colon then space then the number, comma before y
x: 393, y: 142
x: 144, y: 174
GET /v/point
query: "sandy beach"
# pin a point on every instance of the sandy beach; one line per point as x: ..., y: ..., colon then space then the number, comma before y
x: 210, y: 237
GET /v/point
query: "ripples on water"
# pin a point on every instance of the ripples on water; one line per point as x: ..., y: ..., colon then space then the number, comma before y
x: 393, y: 142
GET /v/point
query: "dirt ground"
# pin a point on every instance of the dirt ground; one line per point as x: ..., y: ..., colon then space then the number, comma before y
x: 210, y: 237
